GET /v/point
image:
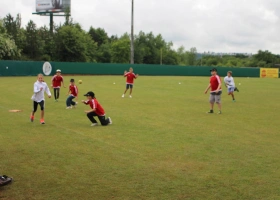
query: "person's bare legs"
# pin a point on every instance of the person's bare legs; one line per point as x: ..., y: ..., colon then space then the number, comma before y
x: 130, y: 91
x: 219, y: 106
x: 42, y: 114
x: 124, y: 93
x: 211, y: 106
x: 232, y: 96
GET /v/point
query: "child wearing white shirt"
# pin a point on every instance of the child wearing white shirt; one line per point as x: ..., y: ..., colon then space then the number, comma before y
x: 229, y: 81
x: 38, y: 97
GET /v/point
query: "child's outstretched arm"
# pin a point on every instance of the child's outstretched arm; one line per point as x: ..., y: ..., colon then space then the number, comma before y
x: 85, y: 102
x: 77, y: 92
x: 52, y: 81
x: 47, y: 90
x: 207, y: 89
x: 69, y: 91
x: 89, y: 111
x: 63, y: 83
x: 37, y: 89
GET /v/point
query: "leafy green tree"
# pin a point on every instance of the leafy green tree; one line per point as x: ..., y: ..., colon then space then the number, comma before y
x: 266, y: 59
x: 68, y: 19
x: 48, y: 43
x: 2, y: 28
x: 98, y: 35
x: 182, y: 56
x: 8, y: 48
x: 148, y: 48
x: 34, y: 46
x: 170, y: 56
x: 191, y: 58
x: 14, y: 30
x: 141, y: 50
x: 104, y: 54
x: 74, y: 45
x: 152, y: 55
x: 120, y: 50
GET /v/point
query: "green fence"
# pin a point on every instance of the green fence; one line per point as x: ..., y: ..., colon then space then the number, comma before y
x: 20, y: 68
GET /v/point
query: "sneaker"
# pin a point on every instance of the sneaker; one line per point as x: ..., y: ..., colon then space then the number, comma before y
x: 56, y: 100
x: 130, y: 96
x: 32, y: 118
x: 76, y: 103
x: 69, y: 107
x: 42, y: 121
x: 233, y: 100
x: 5, y: 180
x: 123, y: 96
x: 94, y: 124
x: 110, y: 120
x: 210, y: 112
x: 220, y: 112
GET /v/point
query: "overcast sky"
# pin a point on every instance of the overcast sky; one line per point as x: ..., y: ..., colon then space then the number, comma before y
x: 208, y: 25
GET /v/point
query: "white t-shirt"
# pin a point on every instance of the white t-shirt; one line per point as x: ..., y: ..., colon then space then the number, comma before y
x: 229, y: 81
x: 38, y: 95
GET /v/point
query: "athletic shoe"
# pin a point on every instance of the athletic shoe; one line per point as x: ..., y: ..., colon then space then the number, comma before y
x: 69, y: 107
x: 42, y: 121
x: 5, y: 180
x: 123, y: 96
x: 32, y: 118
x: 210, y: 112
x: 130, y: 96
x: 220, y: 112
x: 233, y: 100
x: 75, y: 105
x: 110, y: 120
x: 94, y: 124
x: 56, y: 100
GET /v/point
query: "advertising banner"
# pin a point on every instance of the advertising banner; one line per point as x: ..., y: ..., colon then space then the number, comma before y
x: 269, y: 72
x: 52, y: 5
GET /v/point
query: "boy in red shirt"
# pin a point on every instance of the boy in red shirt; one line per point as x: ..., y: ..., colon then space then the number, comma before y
x: 216, y: 91
x: 73, y: 93
x: 96, y: 110
x: 56, y: 84
x: 130, y: 76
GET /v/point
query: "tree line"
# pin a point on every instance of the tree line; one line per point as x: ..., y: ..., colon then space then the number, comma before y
x: 70, y: 43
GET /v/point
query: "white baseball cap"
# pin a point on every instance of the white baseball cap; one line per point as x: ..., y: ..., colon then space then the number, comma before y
x: 58, y: 70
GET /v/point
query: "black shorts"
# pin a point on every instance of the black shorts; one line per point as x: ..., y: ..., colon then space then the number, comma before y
x: 35, y: 105
x: 129, y: 86
x: 214, y: 93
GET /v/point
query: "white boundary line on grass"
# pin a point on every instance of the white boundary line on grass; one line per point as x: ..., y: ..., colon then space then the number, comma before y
x: 79, y: 133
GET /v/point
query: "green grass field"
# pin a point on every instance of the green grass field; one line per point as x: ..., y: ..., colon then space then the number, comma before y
x: 162, y: 144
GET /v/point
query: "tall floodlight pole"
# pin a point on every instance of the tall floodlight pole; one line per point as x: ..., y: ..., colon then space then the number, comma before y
x: 132, y: 34
x: 51, y: 23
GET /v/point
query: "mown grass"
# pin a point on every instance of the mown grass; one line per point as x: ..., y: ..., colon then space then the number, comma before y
x: 162, y: 144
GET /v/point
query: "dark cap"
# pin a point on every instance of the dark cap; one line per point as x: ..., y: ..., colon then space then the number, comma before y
x: 213, y: 70
x: 89, y: 94
x: 72, y: 80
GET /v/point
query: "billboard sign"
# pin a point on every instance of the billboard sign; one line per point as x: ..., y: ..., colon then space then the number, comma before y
x: 52, y: 5
x: 269, y: 72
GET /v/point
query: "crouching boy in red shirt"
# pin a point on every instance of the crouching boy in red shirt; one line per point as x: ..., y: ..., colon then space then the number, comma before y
x: 97, y: 110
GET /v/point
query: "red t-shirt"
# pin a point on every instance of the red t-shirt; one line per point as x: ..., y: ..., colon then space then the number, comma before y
x: 130, y: 78
x: 215, y: 81
x: 56, y: 81
x: 74, y: 90
x: 94, y: 104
